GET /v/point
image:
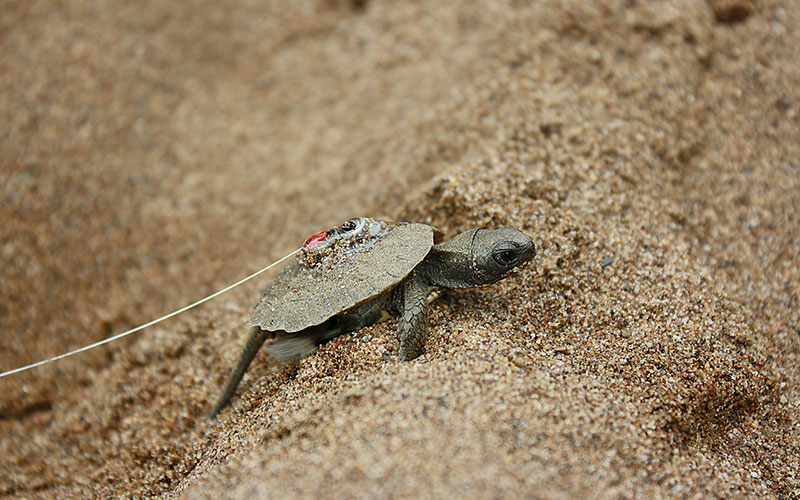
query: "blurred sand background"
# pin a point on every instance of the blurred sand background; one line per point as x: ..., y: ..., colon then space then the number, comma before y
x: 154, y: 152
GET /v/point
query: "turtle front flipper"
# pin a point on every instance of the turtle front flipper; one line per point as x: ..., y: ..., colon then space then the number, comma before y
x: 413, y: 324
x: 254, y: 343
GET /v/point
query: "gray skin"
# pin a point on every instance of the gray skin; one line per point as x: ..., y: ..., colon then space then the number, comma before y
x: 401, y: 282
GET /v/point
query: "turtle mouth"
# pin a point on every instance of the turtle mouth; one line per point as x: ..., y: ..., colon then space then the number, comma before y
x: 528, y: 252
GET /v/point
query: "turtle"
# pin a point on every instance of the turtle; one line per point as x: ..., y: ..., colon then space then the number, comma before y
x: 366, y: 271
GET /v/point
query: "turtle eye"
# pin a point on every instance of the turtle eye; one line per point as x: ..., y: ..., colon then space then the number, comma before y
x: 505, y: 257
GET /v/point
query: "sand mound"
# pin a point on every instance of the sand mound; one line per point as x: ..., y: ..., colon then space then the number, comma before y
x: 153, y: 154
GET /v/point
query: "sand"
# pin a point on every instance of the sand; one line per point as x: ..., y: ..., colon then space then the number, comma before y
x: 153, y: 153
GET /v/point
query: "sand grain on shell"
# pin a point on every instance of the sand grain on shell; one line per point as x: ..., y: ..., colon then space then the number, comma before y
x: 154, y: 154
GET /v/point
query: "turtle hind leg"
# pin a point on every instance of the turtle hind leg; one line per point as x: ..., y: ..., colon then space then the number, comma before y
x: 254, y: 343
x: 292, y: 347
x: 297, y: 345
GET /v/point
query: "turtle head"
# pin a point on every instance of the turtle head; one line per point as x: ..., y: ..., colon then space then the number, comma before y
x: 478, y: 257
x: 497, y: 251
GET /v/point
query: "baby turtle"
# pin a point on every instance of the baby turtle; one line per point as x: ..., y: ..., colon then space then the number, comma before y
x: 366, y: 271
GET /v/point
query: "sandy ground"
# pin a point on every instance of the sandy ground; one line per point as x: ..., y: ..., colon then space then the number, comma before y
x: 152, y: 153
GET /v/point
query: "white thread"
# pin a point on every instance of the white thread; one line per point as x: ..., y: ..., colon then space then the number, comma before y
x: 142, y: 327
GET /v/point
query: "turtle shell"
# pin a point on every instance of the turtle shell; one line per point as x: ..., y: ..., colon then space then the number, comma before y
x: 341, y: 268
